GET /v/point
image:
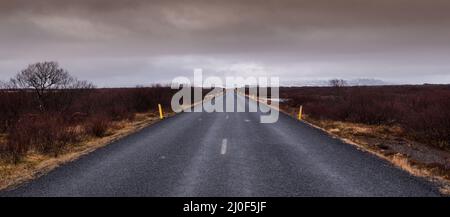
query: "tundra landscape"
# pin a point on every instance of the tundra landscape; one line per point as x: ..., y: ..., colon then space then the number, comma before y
x: 225, y: 107
x: 47, y: 113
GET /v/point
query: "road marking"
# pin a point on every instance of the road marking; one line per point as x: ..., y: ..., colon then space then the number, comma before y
x: 226, y: 117
x: 223, y: 149
x: 247, y: 120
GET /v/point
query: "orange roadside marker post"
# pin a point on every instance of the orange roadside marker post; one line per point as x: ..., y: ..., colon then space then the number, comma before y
x: 300, y: 111
x: 161, y: 115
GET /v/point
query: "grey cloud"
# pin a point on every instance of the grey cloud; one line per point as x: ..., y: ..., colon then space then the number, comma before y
x: 126, y: 39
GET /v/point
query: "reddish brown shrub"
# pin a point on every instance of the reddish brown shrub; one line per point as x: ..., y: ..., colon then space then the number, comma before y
x: 51, y: 130
x: 13, y: 150
x: 421, y: 110
x: 44, y: 133
x: 98, y: 126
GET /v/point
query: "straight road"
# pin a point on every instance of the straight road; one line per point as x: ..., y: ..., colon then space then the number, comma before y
x: 227, y: 154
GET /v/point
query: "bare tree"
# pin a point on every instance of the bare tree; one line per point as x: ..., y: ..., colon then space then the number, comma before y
x: 43, y: 77
x: 337, y: 82
x: 337, y: 85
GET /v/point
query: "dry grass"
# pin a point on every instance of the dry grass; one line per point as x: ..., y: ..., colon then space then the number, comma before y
x: 34, y: 164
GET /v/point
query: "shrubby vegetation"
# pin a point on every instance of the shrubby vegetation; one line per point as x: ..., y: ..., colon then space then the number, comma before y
x: 421, y: 110
x: 44, y: 109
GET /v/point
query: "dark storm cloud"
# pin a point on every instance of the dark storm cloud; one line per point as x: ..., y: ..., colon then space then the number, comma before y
x: 130, y: 40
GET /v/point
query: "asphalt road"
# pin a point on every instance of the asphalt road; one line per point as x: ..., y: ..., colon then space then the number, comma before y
x: 227, y: 154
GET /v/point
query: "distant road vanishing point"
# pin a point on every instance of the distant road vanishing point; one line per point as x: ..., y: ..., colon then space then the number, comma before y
x: 227, y: 154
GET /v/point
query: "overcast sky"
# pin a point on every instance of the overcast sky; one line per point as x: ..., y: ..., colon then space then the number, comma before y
x: 126, y: 43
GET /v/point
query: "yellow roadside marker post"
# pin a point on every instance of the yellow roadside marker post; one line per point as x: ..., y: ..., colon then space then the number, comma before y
x: 161, y: 115
x: 300, y: 113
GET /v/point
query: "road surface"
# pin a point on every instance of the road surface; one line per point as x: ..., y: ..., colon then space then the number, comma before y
x: 227, y: 154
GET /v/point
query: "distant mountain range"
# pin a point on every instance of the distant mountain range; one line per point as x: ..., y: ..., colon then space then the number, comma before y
x: 352, y: 82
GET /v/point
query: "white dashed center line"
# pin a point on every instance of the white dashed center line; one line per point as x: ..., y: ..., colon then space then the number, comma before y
x: 223, y: 149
